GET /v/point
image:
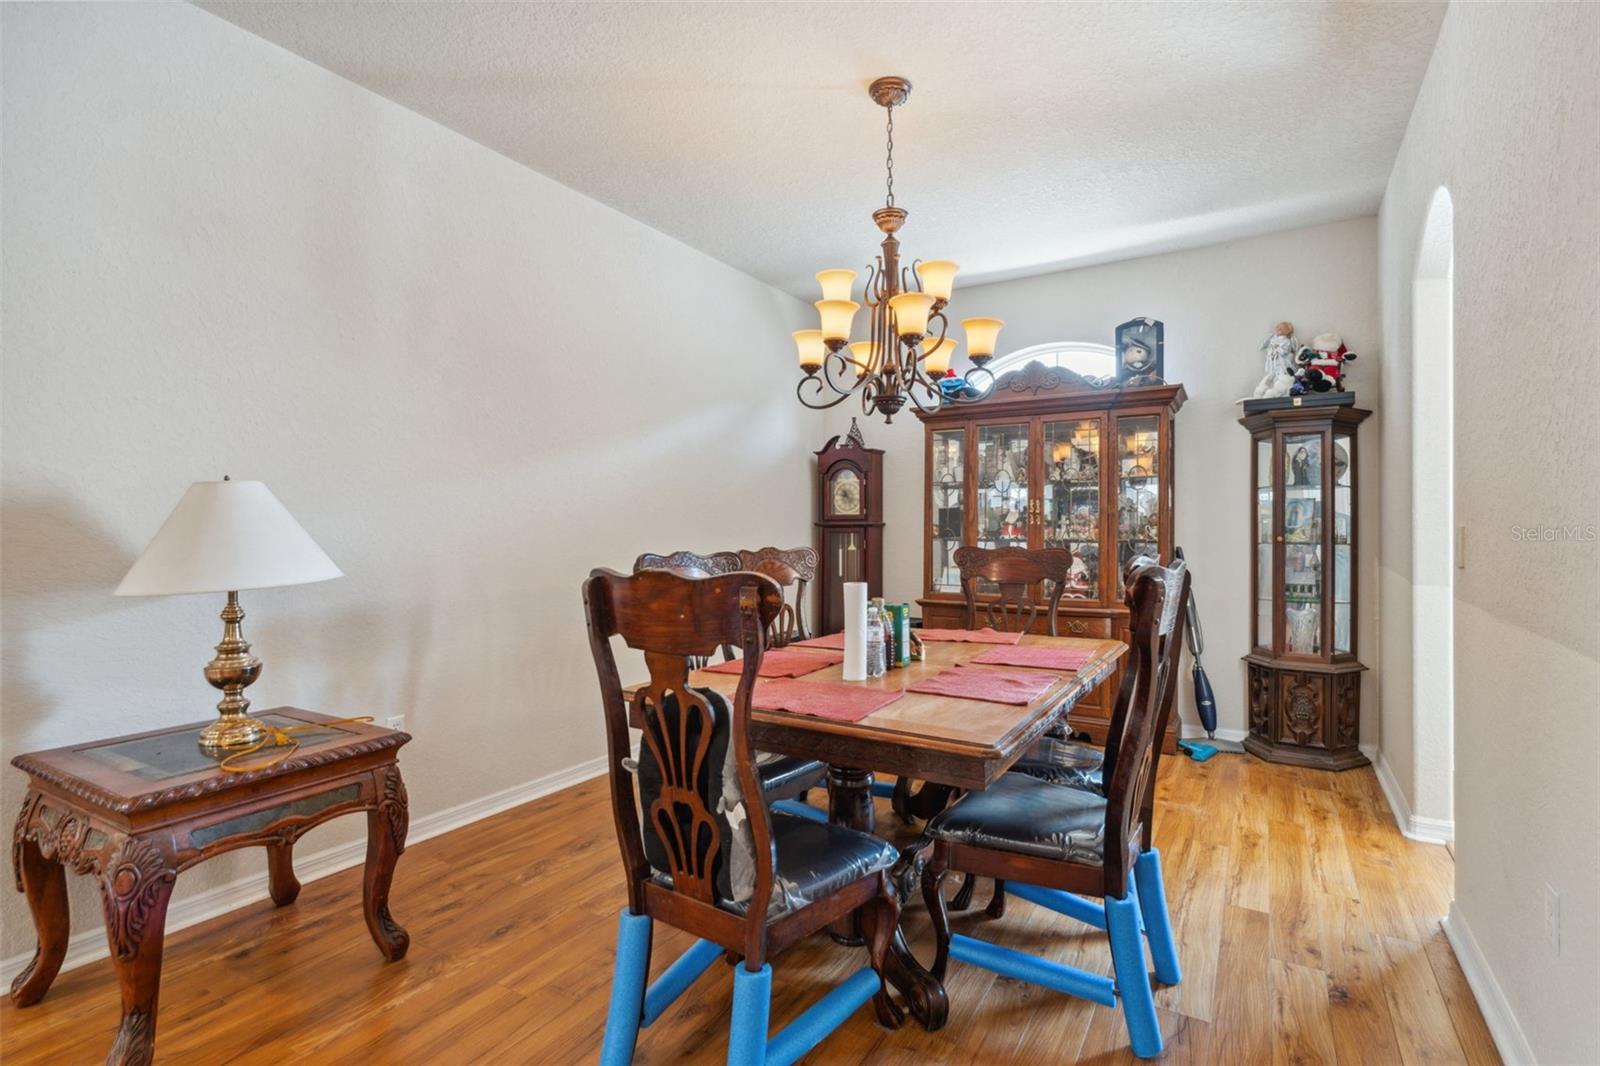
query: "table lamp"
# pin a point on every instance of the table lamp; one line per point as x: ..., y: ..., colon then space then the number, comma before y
x: 222, y: 537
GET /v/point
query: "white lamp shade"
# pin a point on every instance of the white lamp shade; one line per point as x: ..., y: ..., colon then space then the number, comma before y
x: 225, y: 536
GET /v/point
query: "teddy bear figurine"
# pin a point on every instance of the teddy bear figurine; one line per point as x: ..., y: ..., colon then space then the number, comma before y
x: 1320, y: 366
x: 1280, y: 350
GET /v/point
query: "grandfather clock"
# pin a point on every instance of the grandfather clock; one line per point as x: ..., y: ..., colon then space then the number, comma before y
x: 849, y: 522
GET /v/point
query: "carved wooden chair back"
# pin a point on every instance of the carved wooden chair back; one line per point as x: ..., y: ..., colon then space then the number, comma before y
x: 1031, y: 583
x: 792, y: 568
x: 690, y: 564
x: 693, y: 564
x: 1157, y: 599
x: 673, y: 620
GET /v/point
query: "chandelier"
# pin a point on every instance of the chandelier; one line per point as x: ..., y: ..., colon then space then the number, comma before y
x: 907, y: 352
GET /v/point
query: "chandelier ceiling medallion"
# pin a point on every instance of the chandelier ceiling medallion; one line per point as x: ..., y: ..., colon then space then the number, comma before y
x: 907, y: 351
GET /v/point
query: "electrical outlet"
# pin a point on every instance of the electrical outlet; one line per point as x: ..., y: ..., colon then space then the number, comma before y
x: 1552, y: 917
x: 396, y: 721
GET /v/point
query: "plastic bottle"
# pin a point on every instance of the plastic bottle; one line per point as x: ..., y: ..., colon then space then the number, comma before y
x: 875, y: 649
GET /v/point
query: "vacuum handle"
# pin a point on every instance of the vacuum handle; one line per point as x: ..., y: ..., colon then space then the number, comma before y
x: 1193, y: 634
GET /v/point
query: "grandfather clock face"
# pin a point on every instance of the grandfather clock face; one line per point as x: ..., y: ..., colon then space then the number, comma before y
x: 844, y: 493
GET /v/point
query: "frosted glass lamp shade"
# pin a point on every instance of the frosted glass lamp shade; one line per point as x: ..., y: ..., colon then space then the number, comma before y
x: 982, y: 336
x: 225, y: 536
x: 938, y: 277
x: 836, y: 283
x: 936, y: 357
x: 809, y: 344
x: 865, y: 354
x: 911, y: 311
x: 836, y: 318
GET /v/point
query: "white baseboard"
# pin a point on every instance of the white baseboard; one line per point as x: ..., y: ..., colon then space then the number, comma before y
x: 1190, y: 731
x: 1508, y: 1036
x: 1426, y: 830
x: 90, y: 944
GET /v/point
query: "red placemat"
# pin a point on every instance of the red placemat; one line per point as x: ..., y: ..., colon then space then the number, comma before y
x: 1038, y: 658
x: 821, y: 699
x: 990, y: 685
x: 969, y: 636
x: 781, y: 662
x: 832, y: 640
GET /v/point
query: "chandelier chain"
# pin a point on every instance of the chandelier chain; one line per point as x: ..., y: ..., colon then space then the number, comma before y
x: 889, y: 160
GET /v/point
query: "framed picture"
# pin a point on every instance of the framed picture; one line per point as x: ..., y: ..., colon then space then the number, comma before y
x: 1140, y: 358
x: 1300, y: 521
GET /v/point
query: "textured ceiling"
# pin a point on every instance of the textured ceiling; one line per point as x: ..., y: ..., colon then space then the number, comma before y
x: 1037, y: 135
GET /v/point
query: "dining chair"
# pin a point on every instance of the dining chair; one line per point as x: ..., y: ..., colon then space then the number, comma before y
x: 789, y: 567
x: 783, y: 777
x: 1029, y: 585
x: 745, y: 880
x: 1056, y: 844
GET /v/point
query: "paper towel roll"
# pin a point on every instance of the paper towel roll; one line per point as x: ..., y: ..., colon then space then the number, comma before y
x: 855, y: 630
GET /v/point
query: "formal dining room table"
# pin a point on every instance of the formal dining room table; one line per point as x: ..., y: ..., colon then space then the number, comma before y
x: 952, y: 741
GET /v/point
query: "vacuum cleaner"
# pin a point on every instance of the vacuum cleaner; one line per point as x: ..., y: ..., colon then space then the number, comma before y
x: 1205, y: 701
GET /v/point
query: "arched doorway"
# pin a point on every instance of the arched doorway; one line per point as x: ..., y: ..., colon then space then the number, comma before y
x: 1432, y: 521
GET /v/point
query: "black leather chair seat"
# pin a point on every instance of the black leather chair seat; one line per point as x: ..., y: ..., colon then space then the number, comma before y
x: 788, y: 775
x: 1064, y: 762
x: 815, y: 860
x: 1030, y: 817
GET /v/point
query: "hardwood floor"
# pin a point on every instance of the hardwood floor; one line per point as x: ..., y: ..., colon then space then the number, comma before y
x: 1308, y: 931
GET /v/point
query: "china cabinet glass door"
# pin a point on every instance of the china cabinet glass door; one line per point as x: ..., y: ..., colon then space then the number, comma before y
x: 1070, y: 500
x: 947, y: 474
x: 1264, y: 539
x: 1138, y: 482
x: 1343, y: 536
x: 1002, y: 493
x: 1302, y: 544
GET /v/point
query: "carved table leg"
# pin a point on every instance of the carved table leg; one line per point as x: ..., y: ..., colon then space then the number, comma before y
x: 850, y: 803
x: 45, y: 882
x: 135, y: 885
x: 281, y: 881
x: 386, y: 839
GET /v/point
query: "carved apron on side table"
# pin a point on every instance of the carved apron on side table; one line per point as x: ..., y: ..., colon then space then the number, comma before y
x: 136, y: 811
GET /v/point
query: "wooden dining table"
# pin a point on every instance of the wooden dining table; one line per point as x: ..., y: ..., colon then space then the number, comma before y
x: 946, y: 741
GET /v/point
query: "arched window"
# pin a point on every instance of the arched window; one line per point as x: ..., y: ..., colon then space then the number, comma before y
x: 1091, y: 360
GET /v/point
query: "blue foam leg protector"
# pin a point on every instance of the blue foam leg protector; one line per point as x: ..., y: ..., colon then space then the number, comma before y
x: 800, y: 810
x: 747, y: 1032
x: 680, y: 975
x: 627, y: 989
x: 1133, y: 981
x: 822, y: 1018
x: 1066, y: 903
x: 1024, y: 967
x: 1157, y: 922
x: 883, y: 788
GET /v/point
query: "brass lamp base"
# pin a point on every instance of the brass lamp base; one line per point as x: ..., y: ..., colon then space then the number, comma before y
x: 232, y: 670
x: 233, y: 732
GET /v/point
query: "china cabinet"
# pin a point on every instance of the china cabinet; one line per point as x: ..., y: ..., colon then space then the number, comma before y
x: 1304, y: 681
x: 849, y: 522
x: 1050, y: 460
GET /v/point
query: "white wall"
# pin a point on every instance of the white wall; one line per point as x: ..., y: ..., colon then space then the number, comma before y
x: 469, y: 383
x: 1218, y: 304
x: 1507, y: 120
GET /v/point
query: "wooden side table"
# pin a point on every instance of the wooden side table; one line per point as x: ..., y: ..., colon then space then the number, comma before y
x: 136, y: 811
